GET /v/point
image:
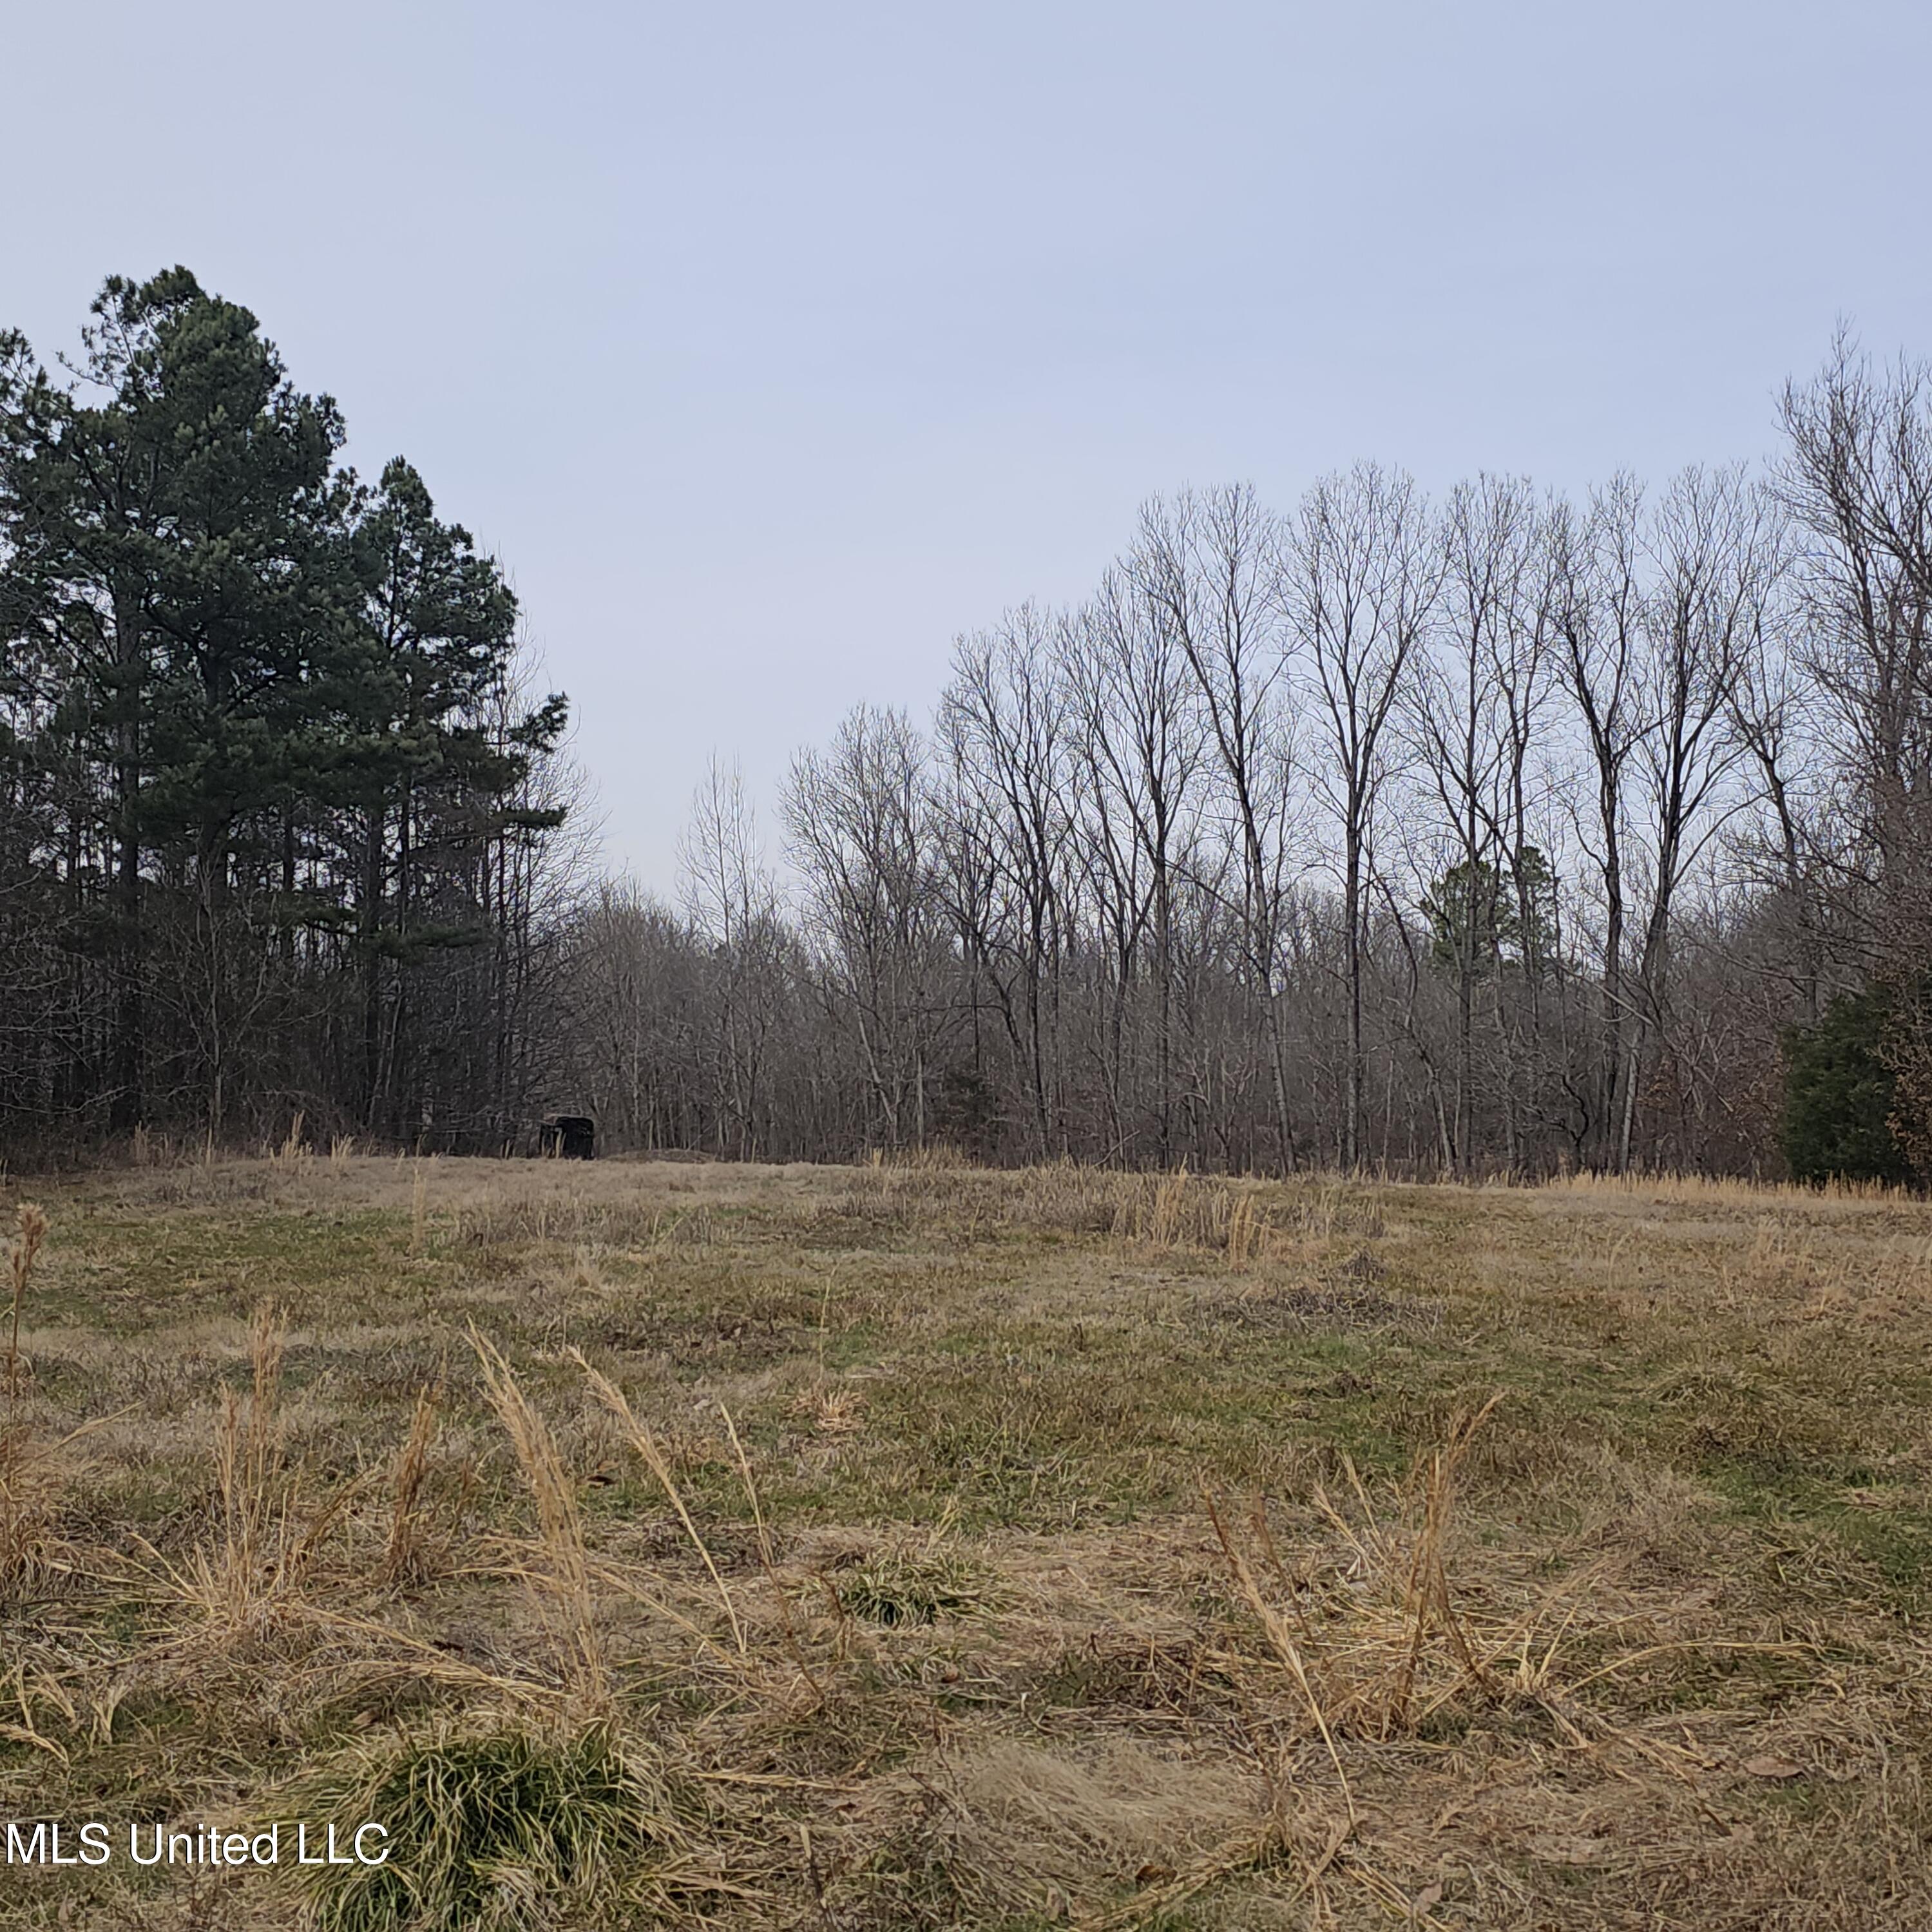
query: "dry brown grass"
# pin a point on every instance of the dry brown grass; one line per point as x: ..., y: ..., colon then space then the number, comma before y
x: 912, y: 1546
x: 248, y: 1584
x: 32, y: 1222
x: 405, y: 1556
x: 640, y: 1439
x: 556, y: 1563
x: 37, y: 1468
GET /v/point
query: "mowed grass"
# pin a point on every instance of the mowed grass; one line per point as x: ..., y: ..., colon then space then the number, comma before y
x: 921, y: 1546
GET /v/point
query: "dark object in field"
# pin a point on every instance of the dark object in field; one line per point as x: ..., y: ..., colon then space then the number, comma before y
x: 567, y: 1136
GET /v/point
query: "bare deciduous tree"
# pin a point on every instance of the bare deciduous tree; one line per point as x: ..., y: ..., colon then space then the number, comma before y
x: 1208, y: 566
x: 1359, y: 576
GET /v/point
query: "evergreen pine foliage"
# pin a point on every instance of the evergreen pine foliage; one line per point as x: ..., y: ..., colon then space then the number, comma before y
x: 273, y: 806
x: 1839, y: 1096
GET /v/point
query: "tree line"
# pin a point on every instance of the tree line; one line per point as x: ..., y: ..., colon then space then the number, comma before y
x: 1511, y: 832
x: 279, y: 818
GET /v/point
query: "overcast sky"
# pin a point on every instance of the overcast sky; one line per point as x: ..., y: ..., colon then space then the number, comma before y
x: 773, y: 345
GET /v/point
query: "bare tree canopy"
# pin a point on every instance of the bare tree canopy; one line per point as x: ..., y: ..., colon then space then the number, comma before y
x: 1507, y: 834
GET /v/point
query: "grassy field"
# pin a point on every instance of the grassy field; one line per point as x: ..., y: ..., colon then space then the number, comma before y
x: 850, y: 1549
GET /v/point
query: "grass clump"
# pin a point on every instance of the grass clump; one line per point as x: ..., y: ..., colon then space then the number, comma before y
x: 900, y: 1587
x: 499, y: 1831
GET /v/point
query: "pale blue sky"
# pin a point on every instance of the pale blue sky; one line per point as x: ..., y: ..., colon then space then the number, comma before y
x: 773, y: 345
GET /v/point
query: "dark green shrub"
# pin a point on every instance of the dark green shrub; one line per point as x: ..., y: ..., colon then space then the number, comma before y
x: 1839, y: 1096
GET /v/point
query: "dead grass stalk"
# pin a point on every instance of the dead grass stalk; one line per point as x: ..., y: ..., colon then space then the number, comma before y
x: 650, y: 1452
x: 402, y: 1553
x: 560, y: 1569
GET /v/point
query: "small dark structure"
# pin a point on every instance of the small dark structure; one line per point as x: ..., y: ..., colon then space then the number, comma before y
x: 567, y: 1137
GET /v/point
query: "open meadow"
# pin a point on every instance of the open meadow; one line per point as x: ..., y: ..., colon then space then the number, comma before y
x: 920, y: 1547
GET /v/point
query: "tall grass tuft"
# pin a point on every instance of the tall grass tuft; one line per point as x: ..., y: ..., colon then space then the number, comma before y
x: 1372, y: 1639
x: 247, y: 1445
x: 33, y: 1472
x: 897, y: 1587
x: 506, y: 1831
x: 249, y: 1580
x: 294, y: 1151
x: 32, y: 1223
x: 558, y: 1568
x: 403, y: 1554
x: 248, y: 1577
